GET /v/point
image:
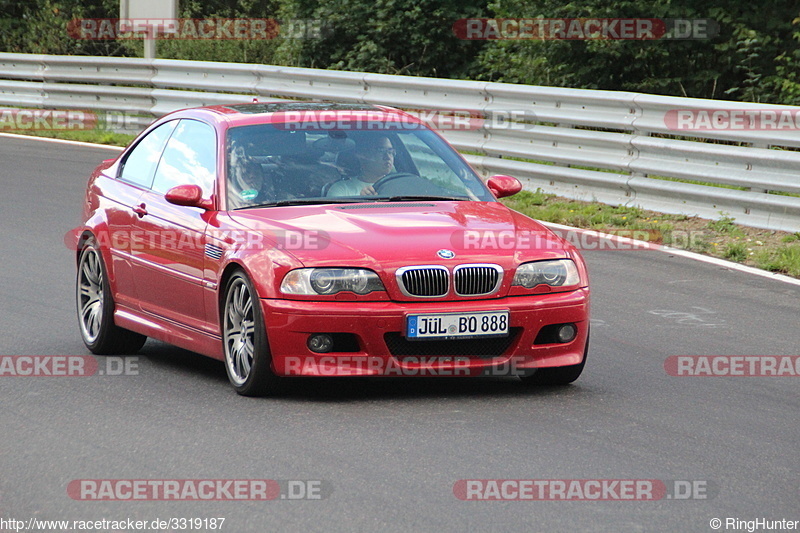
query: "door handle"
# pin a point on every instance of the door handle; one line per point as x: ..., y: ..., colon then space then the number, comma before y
x: 140, y: 210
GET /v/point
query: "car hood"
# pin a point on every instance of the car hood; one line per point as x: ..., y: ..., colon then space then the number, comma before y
x: 382, y: 235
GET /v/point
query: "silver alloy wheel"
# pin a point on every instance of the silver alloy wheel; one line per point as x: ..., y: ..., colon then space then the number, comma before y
x: 239, y: 331
x: 90, y: 295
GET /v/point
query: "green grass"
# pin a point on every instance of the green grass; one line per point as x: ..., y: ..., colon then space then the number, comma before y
x: 736, y: 251
x: 725, y: 224
x: 785, y: 259
x: 548, y: 207
x: 89, y: 136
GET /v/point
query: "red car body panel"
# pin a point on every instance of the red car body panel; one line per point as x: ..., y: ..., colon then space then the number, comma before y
x: 290, y: 323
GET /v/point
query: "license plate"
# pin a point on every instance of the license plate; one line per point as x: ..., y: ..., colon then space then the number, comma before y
x: 457, y: 325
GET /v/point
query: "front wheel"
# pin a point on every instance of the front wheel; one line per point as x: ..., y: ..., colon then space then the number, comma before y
x: 247, y: 357
x: 96, y: 308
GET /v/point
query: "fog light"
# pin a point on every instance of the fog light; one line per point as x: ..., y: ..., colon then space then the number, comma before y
x: 320, y: 343
x: 567, y: 332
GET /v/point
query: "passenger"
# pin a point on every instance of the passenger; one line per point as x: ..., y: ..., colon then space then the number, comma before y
x: 248, y: 186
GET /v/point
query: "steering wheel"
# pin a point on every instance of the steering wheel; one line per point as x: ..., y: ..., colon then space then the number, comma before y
x: 405, y: 184
x: 392, y: 177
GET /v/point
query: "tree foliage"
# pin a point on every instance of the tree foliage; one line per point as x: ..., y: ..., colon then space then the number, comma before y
x: 40, y: 26
x: 389, y: 36
x: 755, y: 57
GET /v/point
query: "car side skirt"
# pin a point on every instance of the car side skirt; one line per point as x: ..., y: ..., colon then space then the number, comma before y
x: 170, y: 332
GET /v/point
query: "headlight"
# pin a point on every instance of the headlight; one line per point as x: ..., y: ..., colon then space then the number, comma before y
x: 555, y: 273
x: 326, y: 281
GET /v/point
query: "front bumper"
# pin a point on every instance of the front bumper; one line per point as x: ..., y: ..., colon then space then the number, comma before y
x: 381, y: 350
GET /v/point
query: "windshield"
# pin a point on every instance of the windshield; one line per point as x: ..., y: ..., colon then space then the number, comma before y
x: 268, y: 164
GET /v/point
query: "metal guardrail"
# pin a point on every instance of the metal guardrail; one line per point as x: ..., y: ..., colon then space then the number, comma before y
x: 613, y: 147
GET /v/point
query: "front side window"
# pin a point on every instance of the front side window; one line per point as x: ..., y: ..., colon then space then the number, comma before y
x: 190, y: 158
x: 140, y: 164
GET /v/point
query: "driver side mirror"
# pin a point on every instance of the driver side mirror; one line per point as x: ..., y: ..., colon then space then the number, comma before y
x: 189, y: 196
x: 503, y: 186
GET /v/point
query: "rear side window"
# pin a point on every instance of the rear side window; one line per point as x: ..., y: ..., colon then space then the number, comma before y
x: 140, y: 164
x: 190, y: 158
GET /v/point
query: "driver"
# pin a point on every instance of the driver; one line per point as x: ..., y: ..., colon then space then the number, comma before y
x: 376, y: 158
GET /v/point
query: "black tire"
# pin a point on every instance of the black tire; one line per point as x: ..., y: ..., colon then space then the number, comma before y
x: 559, y: 375
x: 95, y: 306
x: 244, y: 340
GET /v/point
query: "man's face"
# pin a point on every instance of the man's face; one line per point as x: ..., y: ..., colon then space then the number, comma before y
x: 377, y: 160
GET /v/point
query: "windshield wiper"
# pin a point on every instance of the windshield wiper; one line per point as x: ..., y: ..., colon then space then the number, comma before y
x: 356, y: 200
x: 405, y: 197
x: 304, y: 201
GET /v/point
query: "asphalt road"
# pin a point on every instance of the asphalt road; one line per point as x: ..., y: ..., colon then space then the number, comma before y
x: 390, y: 450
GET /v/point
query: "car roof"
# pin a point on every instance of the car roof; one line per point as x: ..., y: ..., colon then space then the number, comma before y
x: 240, y: 114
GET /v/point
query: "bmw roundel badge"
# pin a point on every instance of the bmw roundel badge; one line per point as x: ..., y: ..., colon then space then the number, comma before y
x: 446, y: 254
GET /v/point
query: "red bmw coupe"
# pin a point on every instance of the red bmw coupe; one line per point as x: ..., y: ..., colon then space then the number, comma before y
x: 310, y: 239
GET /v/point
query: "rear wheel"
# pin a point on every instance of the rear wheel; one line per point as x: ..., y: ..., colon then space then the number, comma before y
x: 560, y: 375
x: 96, y: 308
x: 247, y: 357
